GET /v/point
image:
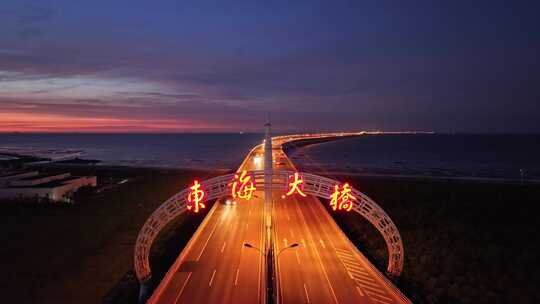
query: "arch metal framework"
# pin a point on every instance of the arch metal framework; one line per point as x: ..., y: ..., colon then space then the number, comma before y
x: 221, y: 185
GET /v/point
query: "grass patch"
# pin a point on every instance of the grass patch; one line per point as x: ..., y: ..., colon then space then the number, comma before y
x: 78, y: 253
x: 464, y: 242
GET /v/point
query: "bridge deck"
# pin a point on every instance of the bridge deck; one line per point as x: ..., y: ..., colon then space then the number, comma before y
x: 325, y: 268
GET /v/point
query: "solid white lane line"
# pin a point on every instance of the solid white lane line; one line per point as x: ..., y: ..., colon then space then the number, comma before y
x: 182, y: 289
x: 236, y: 279
x: 374, y: 275
x: 305, y: 290
x: 301, y: 214
x: 212, y: 278
x: 325, y: 274
x: 207, y: 240
x: 360, y: 291
x: 223, y: 247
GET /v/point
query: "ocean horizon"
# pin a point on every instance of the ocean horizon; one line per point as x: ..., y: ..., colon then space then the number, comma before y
x: 440, y: 154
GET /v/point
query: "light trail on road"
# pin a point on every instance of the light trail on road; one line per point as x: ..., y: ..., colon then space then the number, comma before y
x: 215, y: 267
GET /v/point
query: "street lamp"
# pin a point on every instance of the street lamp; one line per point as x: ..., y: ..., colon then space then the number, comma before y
x: 285, y: 248
x: 248, y: 245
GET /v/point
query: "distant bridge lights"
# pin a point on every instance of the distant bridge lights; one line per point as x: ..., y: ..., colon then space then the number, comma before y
x: 196, y: 197
x: 296, y: 185
x: 243, y: 186
x: 342, y: 199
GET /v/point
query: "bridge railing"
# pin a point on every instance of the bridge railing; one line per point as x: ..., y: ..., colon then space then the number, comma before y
x: 220, y: 186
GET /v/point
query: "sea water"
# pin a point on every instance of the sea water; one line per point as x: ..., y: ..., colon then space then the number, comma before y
x: 505, y: 156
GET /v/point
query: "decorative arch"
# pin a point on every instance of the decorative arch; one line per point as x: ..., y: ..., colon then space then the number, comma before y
x: 221, y: 185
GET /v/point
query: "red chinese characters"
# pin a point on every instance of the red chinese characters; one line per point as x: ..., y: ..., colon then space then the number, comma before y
x: 342, y: 199
x: 296, y: 185
x: 243, y: 186
x: 196, y: 197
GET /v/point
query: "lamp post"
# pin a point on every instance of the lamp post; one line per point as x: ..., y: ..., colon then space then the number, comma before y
x: 248, y: 245
x: 293, y: 245
x: 268, y: 211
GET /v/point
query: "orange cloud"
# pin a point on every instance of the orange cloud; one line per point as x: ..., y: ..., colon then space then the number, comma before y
x: 30, y: 122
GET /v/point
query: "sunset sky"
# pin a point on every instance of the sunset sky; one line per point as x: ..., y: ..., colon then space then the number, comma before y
x: 206, y: 66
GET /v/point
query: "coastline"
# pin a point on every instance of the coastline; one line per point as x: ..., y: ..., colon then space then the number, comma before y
x: 83, y: 255
x: 453, y: 238
x: 71, y: 254
x: 490, y: 180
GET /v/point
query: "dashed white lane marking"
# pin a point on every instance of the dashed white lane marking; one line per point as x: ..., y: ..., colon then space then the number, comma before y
x: 223, y: 247
x: 236, y: 279
x: 182, y: 289
x: 305, y: 291
x: 247, y: 225
x: 208, y: 239
x: 292, y: 233
x: 322, y: 243
x: 285, y: 242
x: 304, y: 243
x: 297, y: 256
x: 212, y: 278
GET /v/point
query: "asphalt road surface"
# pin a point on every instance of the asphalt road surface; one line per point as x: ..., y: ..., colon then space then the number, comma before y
x: 215, y: 267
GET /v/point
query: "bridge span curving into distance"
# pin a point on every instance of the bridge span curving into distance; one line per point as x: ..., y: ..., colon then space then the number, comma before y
x: 323, y: 267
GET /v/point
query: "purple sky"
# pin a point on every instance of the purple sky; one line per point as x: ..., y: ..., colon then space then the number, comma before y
x: 185, y: 66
